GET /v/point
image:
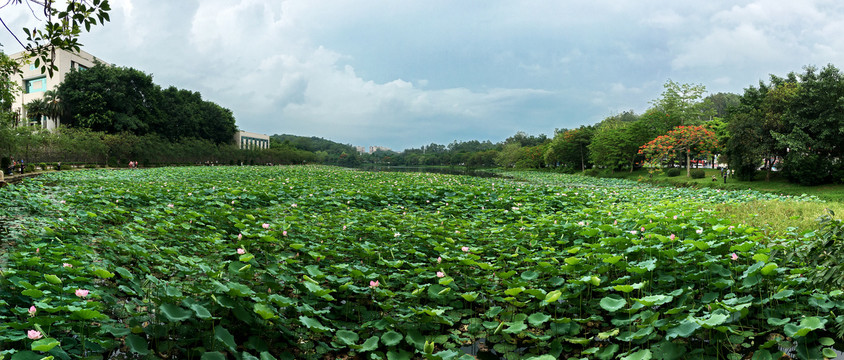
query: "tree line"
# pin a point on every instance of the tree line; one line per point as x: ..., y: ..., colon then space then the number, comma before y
x: 115, y: 100
x: 792, y: 125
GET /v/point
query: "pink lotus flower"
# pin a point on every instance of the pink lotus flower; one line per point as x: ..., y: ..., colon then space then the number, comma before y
x: 61, y: 202
x: 374, y: 284
x: 465, y: 249
x: 284, y: 233
x: 734, y: 256
x: 170, y: 205
x: 239, y: 237
x: 440, y: 274
x: 32, y: 310
x: 241, y: 251
x: 675, y: 217
x: 294, y: 205
x: 67, y: 265
x: 81, y: 293
x: 439, y: 259
x: 33, y: 334
x: 642, y: 229
x: 344, y: 227
x: 265, y: 226
x: 671, y: 237
x: 699, y: 231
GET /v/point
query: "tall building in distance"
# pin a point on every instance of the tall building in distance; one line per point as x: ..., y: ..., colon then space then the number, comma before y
x: 373, y: 149
x: 35, y: 84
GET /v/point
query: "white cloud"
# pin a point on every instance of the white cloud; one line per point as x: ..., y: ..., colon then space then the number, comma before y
x: 738, y: 46
x: 664, y: 19
x: 406, y: 73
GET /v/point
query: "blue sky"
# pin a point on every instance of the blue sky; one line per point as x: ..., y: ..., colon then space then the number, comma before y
x: 408, y: 73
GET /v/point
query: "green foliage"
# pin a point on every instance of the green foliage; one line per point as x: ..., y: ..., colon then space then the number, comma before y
x: 320, y: 262
x: 570, y: 149
x: 823, y: 253
x: 62, y: 28
x: 807, y: 169
x: 683, y: 102
x: 672, y: 172
x: 71, y: 145
x: 114, y: 100
x: 697, y: 174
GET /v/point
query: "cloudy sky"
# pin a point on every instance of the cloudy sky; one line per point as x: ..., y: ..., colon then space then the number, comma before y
x: 411, y: 72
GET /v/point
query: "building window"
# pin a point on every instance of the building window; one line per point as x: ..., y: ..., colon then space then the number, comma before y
x: 35, y: 85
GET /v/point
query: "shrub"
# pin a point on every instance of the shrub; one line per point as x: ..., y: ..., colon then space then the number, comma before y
x: 807, y: 169
x: 672, y: 172
x: 697, y: 174
x: 43, y: 166
x: 591, y: 172
x: 29, y: 168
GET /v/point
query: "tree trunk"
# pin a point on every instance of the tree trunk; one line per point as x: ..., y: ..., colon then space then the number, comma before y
x: 582, y: 162
x: 688, y: 164
x: 768, y: 166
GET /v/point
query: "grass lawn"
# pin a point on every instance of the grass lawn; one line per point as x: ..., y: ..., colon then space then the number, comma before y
x: 776, y: 218
x: 777, y: 184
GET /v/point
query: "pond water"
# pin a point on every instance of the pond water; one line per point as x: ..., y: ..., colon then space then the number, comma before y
x: 435, y: 170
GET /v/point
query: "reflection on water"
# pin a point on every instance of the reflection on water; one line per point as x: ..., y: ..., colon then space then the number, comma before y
x: 435, y: 170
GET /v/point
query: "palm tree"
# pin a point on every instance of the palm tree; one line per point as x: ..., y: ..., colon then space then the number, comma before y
x: 35, y: 109
x: 54, y: 109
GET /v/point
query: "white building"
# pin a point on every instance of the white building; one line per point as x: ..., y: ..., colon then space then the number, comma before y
x: 34, y: 83
x: 373, y: 149
x: 251, y: 141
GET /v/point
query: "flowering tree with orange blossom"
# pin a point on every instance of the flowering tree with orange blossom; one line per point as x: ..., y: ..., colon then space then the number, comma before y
x: 686, y: 140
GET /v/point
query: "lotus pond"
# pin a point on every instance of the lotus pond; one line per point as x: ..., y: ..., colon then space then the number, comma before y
x: 323, y: 262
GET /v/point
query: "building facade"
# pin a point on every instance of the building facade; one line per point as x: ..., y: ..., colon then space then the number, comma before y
x: 251, y: 141
x: 35, y: 84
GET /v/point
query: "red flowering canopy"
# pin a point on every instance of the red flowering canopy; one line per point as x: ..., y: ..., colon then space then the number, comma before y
x: 682, y: 139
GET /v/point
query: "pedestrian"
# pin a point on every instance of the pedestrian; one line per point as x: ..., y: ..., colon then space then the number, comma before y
x: 724, y: 174
x: 59, y: 166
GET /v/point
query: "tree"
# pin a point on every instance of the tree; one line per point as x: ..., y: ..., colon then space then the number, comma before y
x: 570, y: 148
x: 616, y: 142
x: 813, y: 126
x: 509, y: 155
x: 607, y: 148
x: 720, y: 103
x: 61, y: 27
x: 36, y: 109
x: 683, y: 102
x: 110, y: 99
x: 53, y: 107
x: 525, y: 140
x: 118, y: 99
x: 685, y: 140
